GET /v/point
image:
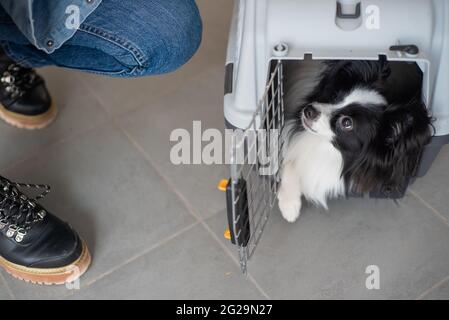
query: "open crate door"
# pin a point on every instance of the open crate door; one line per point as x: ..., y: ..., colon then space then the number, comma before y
x: 255, y: 157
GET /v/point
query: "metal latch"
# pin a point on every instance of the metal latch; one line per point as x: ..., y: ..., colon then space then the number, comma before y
x: 408, y: 49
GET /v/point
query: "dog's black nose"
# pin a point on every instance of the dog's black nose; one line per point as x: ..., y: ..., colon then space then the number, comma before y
x: 310, y: 112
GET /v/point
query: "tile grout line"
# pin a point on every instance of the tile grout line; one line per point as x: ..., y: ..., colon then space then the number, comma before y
x: 138, y: 256
x: 428, y: 206
x: 189, y: 207
x: 114, y: 116
x: 57, y: 142
x: 433, y: 288
x: 97, y: 98
x: 146, y: 251
x: 232, y: 256
x: 445, y: 221
x: 5, y: 283
x: 70, y: 137
x: 53, y: 144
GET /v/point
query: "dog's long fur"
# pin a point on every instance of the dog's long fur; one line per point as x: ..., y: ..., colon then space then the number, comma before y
x: 364, y: 129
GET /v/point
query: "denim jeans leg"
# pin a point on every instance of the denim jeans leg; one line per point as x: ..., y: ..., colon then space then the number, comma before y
x: 126, y: 39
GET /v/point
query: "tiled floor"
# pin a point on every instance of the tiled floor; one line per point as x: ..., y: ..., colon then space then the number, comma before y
x: 155, y: 229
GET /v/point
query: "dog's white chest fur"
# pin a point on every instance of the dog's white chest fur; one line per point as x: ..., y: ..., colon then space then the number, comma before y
x: 319, y: 165
x: 312, y: 168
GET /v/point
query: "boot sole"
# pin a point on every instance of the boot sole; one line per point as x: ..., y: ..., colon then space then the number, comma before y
x: 21, y: 121
x: 55, y: 276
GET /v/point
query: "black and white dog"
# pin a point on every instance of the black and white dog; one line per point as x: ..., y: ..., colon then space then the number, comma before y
x: 352, y: 127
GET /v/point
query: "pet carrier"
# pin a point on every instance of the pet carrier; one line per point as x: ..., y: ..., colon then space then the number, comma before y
x: 265, y: 34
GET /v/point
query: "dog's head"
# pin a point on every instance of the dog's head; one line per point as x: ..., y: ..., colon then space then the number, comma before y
x: 380, y: 129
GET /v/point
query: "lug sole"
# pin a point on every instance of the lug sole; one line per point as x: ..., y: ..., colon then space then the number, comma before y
x: 55, y: 276
x: 21, y: 121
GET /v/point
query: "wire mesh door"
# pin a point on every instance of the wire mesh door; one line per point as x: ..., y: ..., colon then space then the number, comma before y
x: 255, y: 156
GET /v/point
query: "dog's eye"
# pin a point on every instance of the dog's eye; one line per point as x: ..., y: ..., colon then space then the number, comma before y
x: 346, y: 123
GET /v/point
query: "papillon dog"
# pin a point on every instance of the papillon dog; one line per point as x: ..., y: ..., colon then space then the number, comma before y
x: 352, y: 127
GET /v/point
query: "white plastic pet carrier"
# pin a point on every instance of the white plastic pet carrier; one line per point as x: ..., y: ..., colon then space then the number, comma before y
x: 266, y: 33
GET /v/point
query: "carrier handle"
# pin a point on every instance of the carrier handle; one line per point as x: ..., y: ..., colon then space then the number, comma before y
x: 356, y: 15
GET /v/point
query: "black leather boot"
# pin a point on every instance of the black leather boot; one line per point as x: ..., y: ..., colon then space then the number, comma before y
x: 24, y: 99
x: 35, y: 245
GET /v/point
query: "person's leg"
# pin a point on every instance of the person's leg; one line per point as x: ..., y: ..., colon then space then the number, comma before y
x: 123, y: 38
x: 120, y: 38
x: 24, y: 99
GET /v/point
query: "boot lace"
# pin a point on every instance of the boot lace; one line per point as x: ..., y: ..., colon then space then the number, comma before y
x: 16, y: 80
x: 18, y: 213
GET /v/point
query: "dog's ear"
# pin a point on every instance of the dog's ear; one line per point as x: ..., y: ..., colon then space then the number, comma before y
x: 409, y: 130
x: 392, y: 158
x: 405, y: 129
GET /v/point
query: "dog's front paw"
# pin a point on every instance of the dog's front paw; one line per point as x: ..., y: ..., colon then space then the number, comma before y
x: 290, y: 207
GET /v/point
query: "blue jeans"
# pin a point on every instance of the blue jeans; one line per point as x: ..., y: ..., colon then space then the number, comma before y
x: 120, y: 38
